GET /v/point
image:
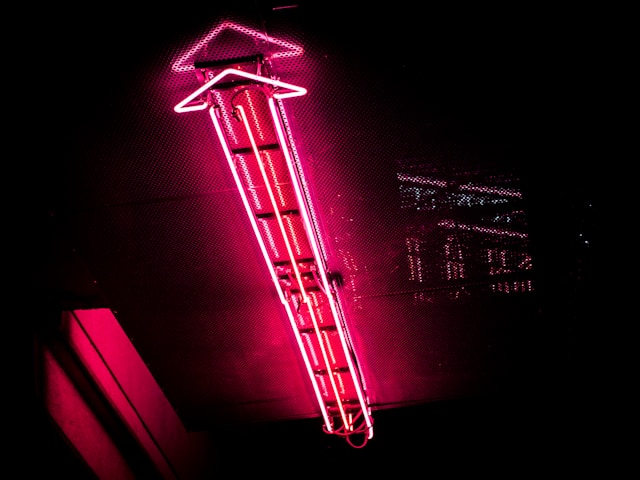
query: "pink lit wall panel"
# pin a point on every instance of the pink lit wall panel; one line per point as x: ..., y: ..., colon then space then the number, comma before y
x: 108, y: 355
x: 79, y: 424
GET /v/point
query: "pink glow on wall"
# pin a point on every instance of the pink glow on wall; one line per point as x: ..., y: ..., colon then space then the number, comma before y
x: 79, y: 423
x: 109, y: 358
x: 103, y: 374
x: 251, y: 125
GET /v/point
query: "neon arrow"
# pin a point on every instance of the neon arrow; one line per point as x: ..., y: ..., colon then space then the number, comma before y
x: 293, y: 256
x: 187, y: 104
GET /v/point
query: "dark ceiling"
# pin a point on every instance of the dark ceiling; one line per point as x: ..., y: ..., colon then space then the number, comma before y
x: 446, y: 139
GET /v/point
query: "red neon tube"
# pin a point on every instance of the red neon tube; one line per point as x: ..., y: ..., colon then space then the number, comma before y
x: 265, y: 254
x: 341, y: 369
x: 294, y: 263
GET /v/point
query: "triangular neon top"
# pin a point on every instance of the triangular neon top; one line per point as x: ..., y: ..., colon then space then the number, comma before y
x: 288, y: 90
x: 184, y: 63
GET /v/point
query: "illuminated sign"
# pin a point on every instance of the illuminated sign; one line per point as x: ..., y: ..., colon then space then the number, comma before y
x: 245, y: 106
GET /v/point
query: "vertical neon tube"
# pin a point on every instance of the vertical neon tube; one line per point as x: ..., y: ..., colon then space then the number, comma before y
x: 265, y: 254
x: 292, y: 259
x: 317, y: 254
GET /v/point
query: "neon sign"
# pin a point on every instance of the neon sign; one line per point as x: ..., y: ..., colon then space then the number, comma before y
x: 245, y: 105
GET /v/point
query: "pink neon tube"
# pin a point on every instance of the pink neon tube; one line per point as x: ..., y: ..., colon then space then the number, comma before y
x: 292, y: 259
x: 197, y: 101
x: 265, y: 254
x: 316, y: 251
